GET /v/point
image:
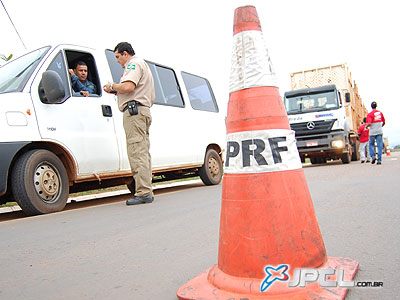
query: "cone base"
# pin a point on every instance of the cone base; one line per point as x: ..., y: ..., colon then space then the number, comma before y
x: 199, y: 288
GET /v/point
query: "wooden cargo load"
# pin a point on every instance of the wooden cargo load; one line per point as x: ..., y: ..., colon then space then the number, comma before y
x: 341, y: 77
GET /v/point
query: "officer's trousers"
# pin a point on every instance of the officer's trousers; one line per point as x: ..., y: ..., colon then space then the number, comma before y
x: 138, y: 148
x: 364, y: 147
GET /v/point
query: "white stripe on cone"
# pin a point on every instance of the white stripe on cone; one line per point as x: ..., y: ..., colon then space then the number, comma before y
x: 251, y: 64
x: 261, y: 151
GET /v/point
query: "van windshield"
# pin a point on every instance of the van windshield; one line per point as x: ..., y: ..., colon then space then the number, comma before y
x: 311, y: 103
x: 15, y: 74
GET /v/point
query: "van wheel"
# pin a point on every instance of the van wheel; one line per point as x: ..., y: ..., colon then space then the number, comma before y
x: 211, y: 172
x: 40, y: 183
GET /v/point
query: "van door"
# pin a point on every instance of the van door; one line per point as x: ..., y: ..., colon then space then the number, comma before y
x: 170, y: 121
x: 82, y: 125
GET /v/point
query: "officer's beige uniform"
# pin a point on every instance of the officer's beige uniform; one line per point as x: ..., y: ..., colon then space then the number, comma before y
x: 137, y: 126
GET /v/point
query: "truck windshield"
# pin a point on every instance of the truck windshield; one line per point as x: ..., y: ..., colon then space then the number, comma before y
x: 15, y: 74
x: 310, y: 103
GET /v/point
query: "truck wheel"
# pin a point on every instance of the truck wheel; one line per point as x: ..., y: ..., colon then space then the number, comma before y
x: 211, y: 171
x: 318, y: 160
x: 346, y: 157
x: 356, y: 151
x: 40, y: 183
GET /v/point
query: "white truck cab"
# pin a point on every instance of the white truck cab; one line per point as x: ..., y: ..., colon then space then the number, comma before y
x: 54, y: 141
x: 325, y: 110
x: 318, y: 117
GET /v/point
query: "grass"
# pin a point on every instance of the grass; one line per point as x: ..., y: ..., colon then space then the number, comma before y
x: 9, y: 204
x: 109, y: 189
x: 99, y: 191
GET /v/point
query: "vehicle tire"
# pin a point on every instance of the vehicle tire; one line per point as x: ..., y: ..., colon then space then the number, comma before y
x: 317, y: 160
x: 132, y: 187
x: 346, y: 157
x: 211, y: 171
x: 356, y: 151
x: 39, y: 183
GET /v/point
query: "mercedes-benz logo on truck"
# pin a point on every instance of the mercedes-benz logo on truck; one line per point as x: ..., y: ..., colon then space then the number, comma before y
x: 310, y: 125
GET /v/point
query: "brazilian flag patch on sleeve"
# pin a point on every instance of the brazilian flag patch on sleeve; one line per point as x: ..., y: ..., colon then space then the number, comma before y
x: 131, y: 67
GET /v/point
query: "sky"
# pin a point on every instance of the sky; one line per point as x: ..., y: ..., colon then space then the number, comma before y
x: 196, y: 36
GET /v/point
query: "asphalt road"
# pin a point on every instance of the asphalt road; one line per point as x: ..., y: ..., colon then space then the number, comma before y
x: 106, y: 250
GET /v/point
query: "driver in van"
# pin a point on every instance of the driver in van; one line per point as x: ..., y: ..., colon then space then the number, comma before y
x: 80, y: 83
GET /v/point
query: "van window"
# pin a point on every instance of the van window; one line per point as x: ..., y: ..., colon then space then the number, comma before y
x: 200, y: 93
x: 116, y: 69
x: 58, y: 65
x: 15, y: 74
x: 166, y: 85
x: 75, y: 56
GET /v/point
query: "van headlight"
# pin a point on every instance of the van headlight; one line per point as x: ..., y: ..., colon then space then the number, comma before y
x: 337, y: 144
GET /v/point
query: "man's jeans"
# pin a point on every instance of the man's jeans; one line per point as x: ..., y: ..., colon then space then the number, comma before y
x: 379, y: 145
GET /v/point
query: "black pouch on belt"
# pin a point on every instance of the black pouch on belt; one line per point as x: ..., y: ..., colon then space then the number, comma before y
x: 132, y: 107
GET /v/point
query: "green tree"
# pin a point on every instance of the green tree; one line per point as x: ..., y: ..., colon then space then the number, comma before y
x: 6, y: 58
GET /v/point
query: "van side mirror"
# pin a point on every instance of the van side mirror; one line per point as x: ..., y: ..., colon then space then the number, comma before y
x: 53, y: 89
x: 347, y: 96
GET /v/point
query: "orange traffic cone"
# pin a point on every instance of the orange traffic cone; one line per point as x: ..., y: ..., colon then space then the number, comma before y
x: 388, y: 151
x: 268, y: 224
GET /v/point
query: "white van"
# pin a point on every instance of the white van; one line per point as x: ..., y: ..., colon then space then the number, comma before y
x: 54, y: 141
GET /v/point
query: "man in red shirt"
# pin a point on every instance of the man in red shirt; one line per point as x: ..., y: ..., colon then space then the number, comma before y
x: 375, y: 122
x: 363, y: 133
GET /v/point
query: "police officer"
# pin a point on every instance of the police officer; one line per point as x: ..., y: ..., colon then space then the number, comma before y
x: 136, y: 95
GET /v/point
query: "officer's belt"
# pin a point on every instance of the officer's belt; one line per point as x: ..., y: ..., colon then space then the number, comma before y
x: 127, y: 105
